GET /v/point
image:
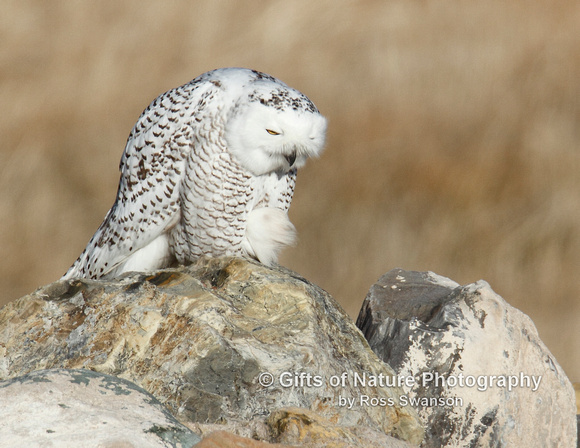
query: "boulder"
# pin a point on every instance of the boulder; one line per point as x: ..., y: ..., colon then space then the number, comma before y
x: 74, y: 408
x: 478, y: 372
x: 221, y: 343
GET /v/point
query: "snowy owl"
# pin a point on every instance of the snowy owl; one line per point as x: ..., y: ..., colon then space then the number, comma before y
x: 209, y: 169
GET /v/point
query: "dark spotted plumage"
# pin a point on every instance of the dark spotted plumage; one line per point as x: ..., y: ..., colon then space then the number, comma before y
x: 196, y: 179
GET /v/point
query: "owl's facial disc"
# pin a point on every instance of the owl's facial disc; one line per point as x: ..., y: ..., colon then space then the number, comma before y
x: 265, y: 139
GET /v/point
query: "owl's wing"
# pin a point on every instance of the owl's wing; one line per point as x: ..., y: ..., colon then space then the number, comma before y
x: 133, y: 233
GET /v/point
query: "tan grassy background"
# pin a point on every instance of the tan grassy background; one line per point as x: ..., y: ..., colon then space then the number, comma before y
x: 453, y: 144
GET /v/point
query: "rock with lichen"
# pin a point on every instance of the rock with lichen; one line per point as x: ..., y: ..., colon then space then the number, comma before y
x: 73, y: 408
x: 205, y: 340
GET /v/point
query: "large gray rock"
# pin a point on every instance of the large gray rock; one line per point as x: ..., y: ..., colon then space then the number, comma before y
x: 201, y: 338
x: 80, y: 408
x: 425, y: 326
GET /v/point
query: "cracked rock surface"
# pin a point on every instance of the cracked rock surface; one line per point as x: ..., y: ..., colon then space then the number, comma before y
x: 486, y: 353
x: 198, y: 338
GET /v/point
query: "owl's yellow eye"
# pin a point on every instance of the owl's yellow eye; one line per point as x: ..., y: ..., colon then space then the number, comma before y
x: 271, y: 132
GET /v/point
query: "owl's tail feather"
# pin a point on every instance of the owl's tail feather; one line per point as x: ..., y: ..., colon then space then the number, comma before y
x: 268, y: 231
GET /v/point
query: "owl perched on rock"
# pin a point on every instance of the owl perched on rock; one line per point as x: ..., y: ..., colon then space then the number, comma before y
x: 209, y: 169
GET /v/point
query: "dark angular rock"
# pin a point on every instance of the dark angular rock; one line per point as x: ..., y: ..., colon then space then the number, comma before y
x: 463, y: 345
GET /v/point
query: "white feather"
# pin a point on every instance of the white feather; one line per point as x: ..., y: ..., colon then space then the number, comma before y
x: 268, y: 231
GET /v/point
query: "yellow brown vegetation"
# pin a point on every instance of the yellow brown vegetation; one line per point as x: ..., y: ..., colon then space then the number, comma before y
x: 453, y: 146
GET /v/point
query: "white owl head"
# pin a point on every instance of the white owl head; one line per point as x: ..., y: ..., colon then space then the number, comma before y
x: 272, y: 127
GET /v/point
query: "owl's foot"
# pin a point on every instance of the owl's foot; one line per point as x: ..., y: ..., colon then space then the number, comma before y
x: 268, y: 231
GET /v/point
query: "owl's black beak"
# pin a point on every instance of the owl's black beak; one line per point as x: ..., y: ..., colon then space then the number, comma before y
x: 291, y: 158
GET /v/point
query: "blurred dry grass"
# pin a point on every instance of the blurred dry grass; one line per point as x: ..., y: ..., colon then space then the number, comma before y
x: 454, y: 137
